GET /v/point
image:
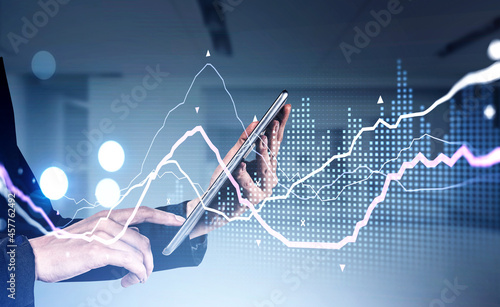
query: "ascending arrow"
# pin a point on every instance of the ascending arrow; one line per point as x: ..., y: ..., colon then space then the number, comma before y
x: 380, y: 101
x: 342, y: 266
x: 208, y: 53
x: 255, y: 118
x: 258, y: 242
x: 197, y: 109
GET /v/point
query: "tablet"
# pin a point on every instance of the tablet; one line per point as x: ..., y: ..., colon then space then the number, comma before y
x: 214, y: 188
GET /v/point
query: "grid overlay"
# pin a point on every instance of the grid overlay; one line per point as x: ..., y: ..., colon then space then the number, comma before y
x: 407, y: 224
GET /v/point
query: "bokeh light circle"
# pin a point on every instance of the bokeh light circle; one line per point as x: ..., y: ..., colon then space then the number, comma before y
x: 107, y: 192
x: 54, y: 183
x: 111, y: 156
x: 494, y: 50
x: 43, y: 65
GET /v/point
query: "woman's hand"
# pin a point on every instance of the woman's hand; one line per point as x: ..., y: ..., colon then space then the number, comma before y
x: 261, y: 170
x: 60, y: 259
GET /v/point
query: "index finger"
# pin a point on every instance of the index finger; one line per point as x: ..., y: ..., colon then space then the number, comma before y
x: 146, y: 215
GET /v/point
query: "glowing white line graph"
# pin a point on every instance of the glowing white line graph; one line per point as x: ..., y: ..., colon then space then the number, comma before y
x: 484, y: 161
x: 180, y: 104
x: 487, y: 75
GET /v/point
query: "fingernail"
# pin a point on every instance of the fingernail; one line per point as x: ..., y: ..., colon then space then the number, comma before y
x: 243, y: 166
x: 180, y: 218
x: 264, y: 139
x: 276, y: 125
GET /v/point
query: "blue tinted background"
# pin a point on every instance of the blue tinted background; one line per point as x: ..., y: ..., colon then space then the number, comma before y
x: 416, y: 243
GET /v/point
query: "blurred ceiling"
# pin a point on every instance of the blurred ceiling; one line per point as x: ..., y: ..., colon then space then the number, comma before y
x: 267, y: 38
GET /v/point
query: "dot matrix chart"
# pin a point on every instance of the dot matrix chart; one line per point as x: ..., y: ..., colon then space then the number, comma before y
x: 420, y: 212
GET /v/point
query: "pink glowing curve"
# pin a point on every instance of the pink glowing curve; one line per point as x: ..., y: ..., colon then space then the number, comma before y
x: 482, y: 161
x: 18, y: 193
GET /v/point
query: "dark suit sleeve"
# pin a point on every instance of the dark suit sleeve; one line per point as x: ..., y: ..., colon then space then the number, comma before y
x: 190, y: 253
